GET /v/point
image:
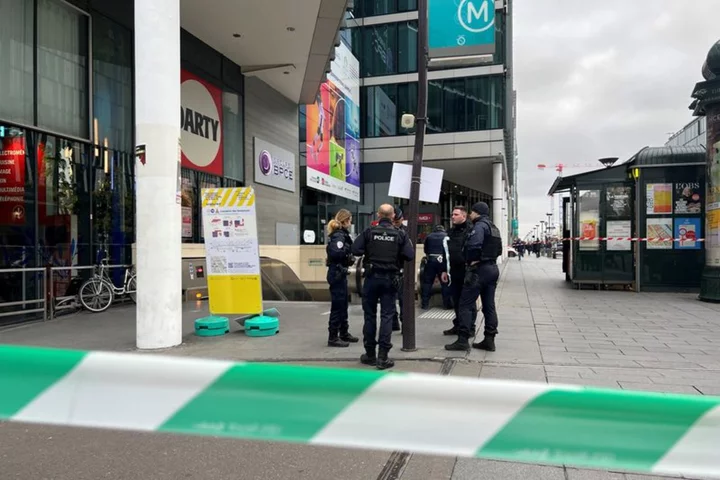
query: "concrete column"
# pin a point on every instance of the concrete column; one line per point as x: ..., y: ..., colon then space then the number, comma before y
x: 497, y: 193
x: 504, y: 228
x: 157, y: 106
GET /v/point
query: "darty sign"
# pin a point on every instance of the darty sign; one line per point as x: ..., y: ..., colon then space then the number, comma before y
x: 201, y: 123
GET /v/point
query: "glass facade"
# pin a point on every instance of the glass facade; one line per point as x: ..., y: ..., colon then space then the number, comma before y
x: 370, y: 8
x: 67, y: 158
x: 318, y: 207
x: 391, y: 48
x: 454, y: 105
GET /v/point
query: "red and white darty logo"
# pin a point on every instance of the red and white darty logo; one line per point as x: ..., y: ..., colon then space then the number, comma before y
x: 201, y: 122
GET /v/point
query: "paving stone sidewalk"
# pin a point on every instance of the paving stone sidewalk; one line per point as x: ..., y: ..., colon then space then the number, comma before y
x: 548, y: 333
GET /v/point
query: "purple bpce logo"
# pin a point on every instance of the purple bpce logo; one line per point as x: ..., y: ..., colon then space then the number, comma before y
x: 265, y: 162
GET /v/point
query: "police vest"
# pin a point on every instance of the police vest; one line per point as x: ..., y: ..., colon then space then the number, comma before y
x: 383, y: 249
x: 434, y: 243
x: 492, y: 244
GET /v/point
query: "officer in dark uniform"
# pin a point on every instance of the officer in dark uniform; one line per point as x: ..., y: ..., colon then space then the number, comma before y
x: 482, y: 247
x: 398, y: 222
x: 436, y: 264
x: 338, y: 260
x: 457, y: 236
x: 384, y: 248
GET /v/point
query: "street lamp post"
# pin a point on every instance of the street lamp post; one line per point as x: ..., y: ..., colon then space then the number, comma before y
x: 408, y: 326
x: 707, y: 104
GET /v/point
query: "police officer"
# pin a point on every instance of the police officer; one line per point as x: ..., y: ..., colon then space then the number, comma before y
x: 436, y: 255
x: 482, y: 247
x: 338, y: 260
x: 398, y: 222
x: 456, y: 240
x: 384, y: 248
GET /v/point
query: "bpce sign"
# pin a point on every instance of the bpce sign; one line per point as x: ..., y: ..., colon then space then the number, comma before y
x: 274, y: 166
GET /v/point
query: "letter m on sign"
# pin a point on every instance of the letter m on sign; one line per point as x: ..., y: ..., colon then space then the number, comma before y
x: 473, y: 13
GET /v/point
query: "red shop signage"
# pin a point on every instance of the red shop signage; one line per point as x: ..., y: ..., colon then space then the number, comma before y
x: 12, y: 180
x: 201, y: 123
x: 425, y: 218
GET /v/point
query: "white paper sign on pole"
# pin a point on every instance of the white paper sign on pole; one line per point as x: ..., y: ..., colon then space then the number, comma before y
x: 430, y: 182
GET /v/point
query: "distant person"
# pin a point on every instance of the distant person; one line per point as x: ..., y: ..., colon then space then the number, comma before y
x: 383, y: 247
x: 458, y: 235
x: 339, y: 258
x: 436, y: 256
x: 483, y: 246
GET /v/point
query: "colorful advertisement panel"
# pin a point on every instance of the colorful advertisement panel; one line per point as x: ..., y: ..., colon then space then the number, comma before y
x: 333, y: 129
x: 12, y: 180
x: 687, y: 233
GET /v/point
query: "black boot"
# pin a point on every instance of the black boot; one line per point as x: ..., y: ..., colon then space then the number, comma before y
x: 450, y: 332
x: 348, y: 337
x: 335, y: 341
x: 369, y: 357
x: 488, y: 343
x: 383, y: 361
x: 460, y: 345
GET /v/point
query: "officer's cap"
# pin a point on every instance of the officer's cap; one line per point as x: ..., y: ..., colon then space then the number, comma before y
x: 481, y: 208
x: 439, y: 228
x: 398, y: 213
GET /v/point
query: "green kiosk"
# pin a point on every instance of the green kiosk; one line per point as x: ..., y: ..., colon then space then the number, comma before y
x: 637, y: 224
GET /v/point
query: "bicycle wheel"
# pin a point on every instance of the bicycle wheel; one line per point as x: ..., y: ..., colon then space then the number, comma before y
x: 96, y: 295
x: 131, y: 288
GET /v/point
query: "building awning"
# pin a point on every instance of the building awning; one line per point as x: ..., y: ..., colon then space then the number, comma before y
x: 667, y: 156
x: 563, y: 184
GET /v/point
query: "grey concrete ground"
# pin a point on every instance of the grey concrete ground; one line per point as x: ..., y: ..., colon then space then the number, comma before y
x: 549, y: 333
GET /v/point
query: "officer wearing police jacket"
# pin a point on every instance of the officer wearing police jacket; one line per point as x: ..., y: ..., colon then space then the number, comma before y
x: 339, y: 259
x: 457, y: 235
x: 482, y: 247
x: 436, y: 263
x: 399, y: 222
x: 384, y: 248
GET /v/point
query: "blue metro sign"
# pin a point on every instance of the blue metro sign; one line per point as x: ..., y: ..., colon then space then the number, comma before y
x: 460, y: 28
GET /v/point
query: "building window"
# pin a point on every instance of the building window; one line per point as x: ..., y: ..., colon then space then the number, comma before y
x: 391, y: 48
x: 233, y: 137
x: 370, y: 8
x: 16, y: 50
x: 454, y: 105
x: 62, y: 68
x: 112, y: 84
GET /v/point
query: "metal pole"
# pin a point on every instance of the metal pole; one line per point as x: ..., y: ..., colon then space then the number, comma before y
x: 408, y: 326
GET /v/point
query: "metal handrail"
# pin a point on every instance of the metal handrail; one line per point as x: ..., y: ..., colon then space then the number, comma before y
x: 42, y: 300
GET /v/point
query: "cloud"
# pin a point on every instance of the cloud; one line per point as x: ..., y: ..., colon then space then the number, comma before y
x: 601, y: 79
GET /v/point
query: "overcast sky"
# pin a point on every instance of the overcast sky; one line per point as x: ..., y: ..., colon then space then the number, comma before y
x: 601, y: 79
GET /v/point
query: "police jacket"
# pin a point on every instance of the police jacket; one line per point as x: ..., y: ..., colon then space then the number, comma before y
x: 484, y: 242
x: 457, y: 236
x: 338, y: 248
x: 434, y: 244
x: 383, y: 247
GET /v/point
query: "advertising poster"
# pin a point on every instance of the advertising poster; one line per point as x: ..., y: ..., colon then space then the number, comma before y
x: 618, y: 201
x: 712, y: 207
x: 619, y: 229
x: 232, y: 250
x: 201, y: 112
x: 332, y: 130
x: 662, y: 229
x: 688, y: 198
x: 658, y: 198
x: 589, y: 201
x: 687, y: 230
x: 12, y: 181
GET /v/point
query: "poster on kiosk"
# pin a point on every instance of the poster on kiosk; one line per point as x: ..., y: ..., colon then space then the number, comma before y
x: 232, y: 251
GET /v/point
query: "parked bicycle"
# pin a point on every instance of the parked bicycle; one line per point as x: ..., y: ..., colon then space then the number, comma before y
x: 99, y: 291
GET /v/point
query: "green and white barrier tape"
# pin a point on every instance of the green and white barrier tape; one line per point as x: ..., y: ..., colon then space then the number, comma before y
x: 516, y: 421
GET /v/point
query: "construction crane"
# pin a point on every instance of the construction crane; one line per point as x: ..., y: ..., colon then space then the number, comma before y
x: 560, y: 167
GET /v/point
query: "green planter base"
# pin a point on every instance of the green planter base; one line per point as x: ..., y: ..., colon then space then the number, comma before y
x: 710, y: 285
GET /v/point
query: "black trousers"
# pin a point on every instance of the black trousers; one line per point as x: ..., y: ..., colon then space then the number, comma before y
x: 480, y: 281
x: 337, y: 279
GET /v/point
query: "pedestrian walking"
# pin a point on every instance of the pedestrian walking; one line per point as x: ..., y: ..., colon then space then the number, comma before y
x: 384, y: 248
x: 399, y: 223
x: 339, y: 258
x: 482, y: 247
